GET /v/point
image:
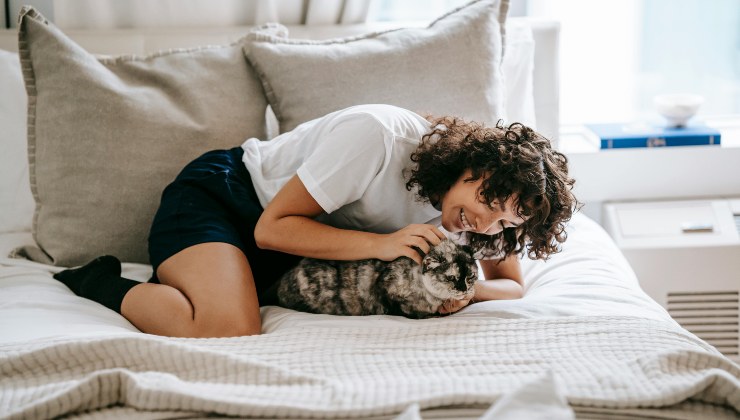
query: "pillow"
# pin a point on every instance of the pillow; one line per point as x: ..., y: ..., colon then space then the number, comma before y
x: 16, y: 201
x: 453, y: 66
x: 106, y: 135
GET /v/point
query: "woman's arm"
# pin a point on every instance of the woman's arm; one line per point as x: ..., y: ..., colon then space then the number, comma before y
x: 288, y: 225
x: 503, y: 280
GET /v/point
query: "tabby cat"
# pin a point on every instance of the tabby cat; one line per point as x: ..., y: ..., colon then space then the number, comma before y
x: 374, y: 287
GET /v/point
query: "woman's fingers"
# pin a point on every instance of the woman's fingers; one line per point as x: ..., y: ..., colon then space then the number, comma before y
x: 446, y: 308
x: 413, y: 241
x: 425, y: 236
x: 413, y: 254
x: 430, y: 232
x: 453, y: 305
x: 420, y: 243
x: 438, y: 232
x: 431, y: 237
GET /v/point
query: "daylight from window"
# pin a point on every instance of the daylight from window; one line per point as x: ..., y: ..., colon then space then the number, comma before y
x: 616, y: 56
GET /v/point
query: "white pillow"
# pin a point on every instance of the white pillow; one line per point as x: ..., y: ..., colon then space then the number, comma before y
x: 518, y: 73
x: 16, y: 201
x: 450, y: 67
x: 106, y: 135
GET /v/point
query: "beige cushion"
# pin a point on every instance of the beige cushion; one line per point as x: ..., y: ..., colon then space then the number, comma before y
x: 107, y: 135
x: 453, y: 66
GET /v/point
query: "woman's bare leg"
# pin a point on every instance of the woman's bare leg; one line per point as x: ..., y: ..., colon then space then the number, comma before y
x: 206, y: 290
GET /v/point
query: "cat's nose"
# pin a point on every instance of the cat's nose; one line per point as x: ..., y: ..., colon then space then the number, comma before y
x: 461, y: 285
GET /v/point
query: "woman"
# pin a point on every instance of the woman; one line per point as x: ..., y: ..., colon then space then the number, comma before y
x: 369, y: 181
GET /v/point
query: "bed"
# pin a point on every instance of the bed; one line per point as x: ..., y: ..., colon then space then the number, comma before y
x: 585, y: 341
x: 584, y: 333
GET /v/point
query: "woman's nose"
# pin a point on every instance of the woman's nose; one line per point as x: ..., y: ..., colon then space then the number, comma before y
x: 488, y: 227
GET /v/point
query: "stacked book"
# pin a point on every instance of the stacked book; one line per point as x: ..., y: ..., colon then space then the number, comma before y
x: 617, y: 136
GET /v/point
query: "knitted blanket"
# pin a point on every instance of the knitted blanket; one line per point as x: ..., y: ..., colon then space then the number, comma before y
x: 598, y: 363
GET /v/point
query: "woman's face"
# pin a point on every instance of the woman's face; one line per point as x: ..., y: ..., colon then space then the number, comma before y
x: 462, y: 209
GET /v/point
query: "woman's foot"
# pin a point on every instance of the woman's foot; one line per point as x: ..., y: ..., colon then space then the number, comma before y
x: 99, y: 280
x: 81, y: 278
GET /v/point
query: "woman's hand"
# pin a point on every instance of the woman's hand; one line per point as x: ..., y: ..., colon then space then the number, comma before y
x: 408, y: 242
x: 454, y: 305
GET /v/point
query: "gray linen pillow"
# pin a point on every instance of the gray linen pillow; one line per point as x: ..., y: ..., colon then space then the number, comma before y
x: 105, y: 136
x: 451, y: 67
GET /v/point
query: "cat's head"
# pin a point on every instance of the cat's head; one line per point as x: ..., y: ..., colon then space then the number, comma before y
x: 449, y: 271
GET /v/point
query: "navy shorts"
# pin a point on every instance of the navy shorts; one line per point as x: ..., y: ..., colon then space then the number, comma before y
x: 213, y: 200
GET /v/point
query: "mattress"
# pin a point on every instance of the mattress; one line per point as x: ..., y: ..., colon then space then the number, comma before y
x: 584, y: 341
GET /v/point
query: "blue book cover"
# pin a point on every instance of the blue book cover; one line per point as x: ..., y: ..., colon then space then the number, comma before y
x: 615, y: 136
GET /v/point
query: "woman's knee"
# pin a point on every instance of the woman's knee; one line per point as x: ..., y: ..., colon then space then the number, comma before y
x: 225, y: 325
x: 217, y: 280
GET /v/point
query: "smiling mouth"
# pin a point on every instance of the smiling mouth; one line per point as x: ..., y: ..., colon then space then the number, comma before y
x: 464, y: 221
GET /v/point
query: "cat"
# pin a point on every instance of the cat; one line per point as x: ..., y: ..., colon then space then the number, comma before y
x: 375, y: 287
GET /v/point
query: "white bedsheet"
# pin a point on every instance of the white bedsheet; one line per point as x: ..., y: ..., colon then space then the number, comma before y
x: 583, y: 318
x: 590, y: 277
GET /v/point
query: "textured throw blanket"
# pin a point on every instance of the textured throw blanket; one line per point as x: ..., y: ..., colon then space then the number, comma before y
x: 601, y: 362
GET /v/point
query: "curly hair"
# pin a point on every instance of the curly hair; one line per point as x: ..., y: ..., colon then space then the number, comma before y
x: 513, y: 160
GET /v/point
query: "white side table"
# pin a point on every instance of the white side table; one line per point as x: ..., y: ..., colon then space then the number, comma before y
x: 686, y: 255
x: 660, y: 173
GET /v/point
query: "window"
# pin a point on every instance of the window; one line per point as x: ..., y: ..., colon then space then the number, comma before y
x: 616, y: 55
x: 411, y: 10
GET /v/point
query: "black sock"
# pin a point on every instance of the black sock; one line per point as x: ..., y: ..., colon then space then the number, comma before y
x: 99, y: 280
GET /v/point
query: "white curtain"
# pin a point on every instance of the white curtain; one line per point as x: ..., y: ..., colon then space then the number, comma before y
x: 109, y: 14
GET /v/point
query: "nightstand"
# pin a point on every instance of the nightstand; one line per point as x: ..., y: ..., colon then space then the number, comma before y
x: 648, y: 174
x: 686, y: 255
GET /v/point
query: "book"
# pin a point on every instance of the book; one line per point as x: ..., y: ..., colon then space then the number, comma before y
x: 616, y: 136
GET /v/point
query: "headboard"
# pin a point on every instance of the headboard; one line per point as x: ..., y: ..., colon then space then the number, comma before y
x: 142, y: 41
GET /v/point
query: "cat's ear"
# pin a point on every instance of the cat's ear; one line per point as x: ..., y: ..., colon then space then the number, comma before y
x: 429, y: 262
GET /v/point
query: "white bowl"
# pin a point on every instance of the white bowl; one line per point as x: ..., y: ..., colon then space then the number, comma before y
x: 678, y: 108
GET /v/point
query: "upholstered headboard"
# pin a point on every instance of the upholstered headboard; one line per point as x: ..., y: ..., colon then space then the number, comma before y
x: 545, y: 34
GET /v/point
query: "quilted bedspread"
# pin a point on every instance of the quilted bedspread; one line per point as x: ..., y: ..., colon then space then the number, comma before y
x: 313, y: 370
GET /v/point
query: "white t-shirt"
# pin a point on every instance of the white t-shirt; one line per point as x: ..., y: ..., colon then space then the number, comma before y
x: 353, y: 162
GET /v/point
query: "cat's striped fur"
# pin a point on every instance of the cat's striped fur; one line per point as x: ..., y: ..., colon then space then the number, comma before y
x: 371, y: 287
